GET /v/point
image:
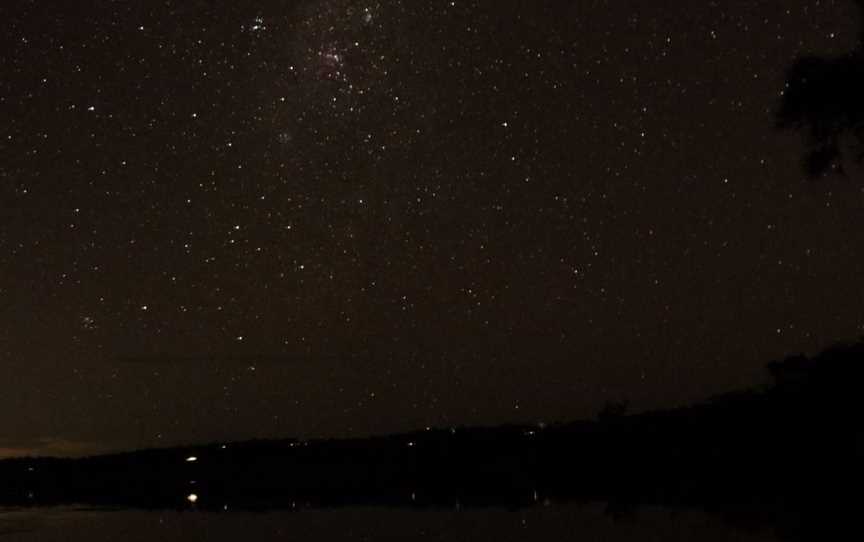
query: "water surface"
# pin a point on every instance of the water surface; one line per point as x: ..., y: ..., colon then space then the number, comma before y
x: 584, y: 522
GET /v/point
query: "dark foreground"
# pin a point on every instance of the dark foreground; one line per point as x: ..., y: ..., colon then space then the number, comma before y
x: 787, y: 458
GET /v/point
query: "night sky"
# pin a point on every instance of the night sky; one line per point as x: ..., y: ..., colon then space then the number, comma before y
x: 226, y: 220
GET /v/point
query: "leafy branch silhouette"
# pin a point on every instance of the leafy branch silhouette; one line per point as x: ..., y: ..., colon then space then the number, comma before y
x: 824, y: 98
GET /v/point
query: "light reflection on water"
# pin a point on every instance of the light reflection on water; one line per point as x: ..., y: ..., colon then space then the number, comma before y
x: 557, y: 522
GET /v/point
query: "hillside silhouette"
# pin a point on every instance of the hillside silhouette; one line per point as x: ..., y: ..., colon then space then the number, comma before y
x: 785, y: 457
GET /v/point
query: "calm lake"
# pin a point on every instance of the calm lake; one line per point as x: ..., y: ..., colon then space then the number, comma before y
x: 583, y: 522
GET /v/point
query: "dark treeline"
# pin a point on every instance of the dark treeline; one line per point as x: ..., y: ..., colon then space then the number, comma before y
x: 788, y: 456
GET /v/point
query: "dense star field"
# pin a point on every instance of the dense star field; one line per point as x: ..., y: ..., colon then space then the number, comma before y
x: 332, y: 217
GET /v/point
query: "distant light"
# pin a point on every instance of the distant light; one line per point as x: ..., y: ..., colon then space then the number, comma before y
x: 411, y: 444
x: 193, y: 498
x: 191, y: 459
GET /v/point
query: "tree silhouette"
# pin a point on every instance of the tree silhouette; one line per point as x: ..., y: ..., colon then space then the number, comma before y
x: 824, y: 98
x: 613, y: 409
